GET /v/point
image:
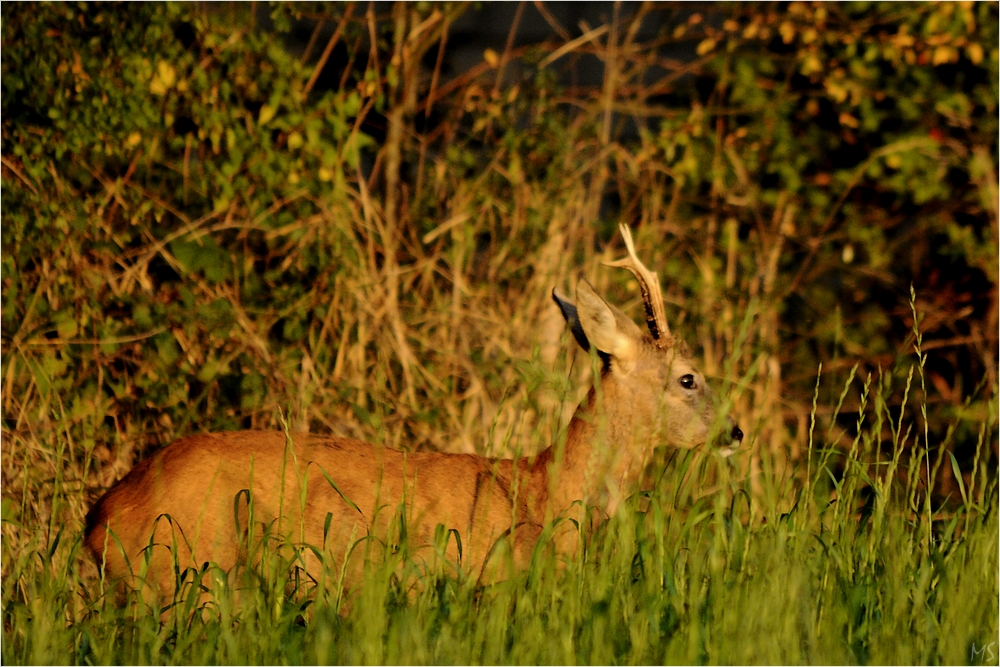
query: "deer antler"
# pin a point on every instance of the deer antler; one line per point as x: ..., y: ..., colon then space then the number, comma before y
x: 649, y: 284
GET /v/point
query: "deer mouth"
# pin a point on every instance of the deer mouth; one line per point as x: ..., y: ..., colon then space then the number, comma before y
x: 736, y: 439
x: 729, y: 449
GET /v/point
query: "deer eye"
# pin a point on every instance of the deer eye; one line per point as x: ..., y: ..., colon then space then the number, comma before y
x: 687, y: 381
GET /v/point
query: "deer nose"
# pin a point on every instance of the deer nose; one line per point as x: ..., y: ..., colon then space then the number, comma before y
x: 736, y: 434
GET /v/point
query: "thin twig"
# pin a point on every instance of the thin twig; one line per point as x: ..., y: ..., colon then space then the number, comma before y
x: 115, y: 340
x: 312, y: 40
x: 232, y: 39
x: 435, y: 77
x: 429, y: 104
x: 551, y: 20
x: 17, y: 172
x: 610, y: 74
x: 509, y: 45
x: 570, y: 46
x: 321, y: 63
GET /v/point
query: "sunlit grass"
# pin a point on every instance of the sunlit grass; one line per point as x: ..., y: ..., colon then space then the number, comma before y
x: 846, y: 568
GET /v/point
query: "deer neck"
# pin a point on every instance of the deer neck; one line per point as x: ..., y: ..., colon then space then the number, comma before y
x: 608, y: 443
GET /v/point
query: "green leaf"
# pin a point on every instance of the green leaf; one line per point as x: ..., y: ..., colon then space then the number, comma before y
x: 66, y: 325
x: 958, y: 477
x: 266, y: 114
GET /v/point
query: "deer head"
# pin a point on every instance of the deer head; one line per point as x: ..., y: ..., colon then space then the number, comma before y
x: 653, y: 389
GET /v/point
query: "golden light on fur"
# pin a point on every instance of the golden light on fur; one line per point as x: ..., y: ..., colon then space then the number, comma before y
x: 190, y: 503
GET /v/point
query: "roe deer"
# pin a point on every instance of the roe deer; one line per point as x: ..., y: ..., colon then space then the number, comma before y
x: 329, y: 492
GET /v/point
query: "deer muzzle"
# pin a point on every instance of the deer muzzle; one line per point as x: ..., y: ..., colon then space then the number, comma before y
x: 735, y: 440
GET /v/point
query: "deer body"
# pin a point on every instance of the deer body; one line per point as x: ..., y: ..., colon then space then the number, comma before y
x: 330, y: 492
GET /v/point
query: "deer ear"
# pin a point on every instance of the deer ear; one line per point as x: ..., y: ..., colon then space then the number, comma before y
x: 568, y: 309
x: 607, y: 328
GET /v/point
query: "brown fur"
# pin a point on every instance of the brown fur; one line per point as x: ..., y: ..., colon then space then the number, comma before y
x: 649, y: 393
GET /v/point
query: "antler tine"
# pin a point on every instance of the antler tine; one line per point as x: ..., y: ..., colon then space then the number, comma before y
x: 649, y: 284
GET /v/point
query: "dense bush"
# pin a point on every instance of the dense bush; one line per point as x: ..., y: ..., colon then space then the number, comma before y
x: 189, y: 244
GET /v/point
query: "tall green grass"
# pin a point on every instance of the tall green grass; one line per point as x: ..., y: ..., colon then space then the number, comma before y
x: 854, y: 564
